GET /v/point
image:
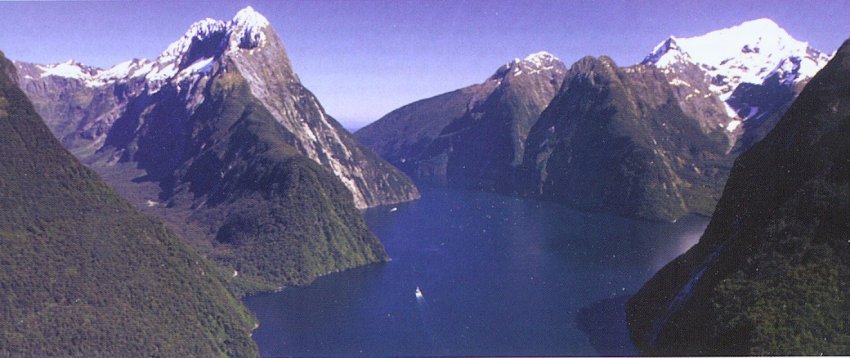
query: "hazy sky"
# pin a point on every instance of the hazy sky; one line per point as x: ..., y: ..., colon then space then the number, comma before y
x: 365, y: 58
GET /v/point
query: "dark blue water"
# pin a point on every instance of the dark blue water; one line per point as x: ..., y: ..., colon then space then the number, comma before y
x: 499, y: 275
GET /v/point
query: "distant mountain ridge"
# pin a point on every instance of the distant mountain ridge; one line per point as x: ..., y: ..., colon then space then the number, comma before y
x: 218, y: 137
x: 733, y: 84
x: 473, y: 136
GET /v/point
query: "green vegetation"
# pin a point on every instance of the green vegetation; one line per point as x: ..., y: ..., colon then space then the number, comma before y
x: 83, y: 273
x: 781, y: 277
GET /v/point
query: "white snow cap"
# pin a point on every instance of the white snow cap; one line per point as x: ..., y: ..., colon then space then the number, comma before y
x: 247, y: 25
x: 749, y: 52
x: 250, y: 17
x: 531, y: 64
x: 244, y: 31
x: 541, y: 58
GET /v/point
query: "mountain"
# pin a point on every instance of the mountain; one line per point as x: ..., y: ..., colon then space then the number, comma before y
x: 471, y: 137
x: 218, y: 138
x: 81, y: 104
x: 654, y: 140
x: 84, y: 273
x: 769, y: 275
x: 755, y: 68
x: 657, y: 140
x: 617, y: 140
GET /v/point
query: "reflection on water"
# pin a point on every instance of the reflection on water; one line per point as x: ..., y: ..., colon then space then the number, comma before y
x: 499, y: 275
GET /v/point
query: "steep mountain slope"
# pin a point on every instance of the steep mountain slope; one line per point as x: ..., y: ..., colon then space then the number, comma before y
x: 617, y: 140
x: 84, y: 274
x: 474, y: 136
x: 770, y: 274
x: 219, y: 139
x: 81, y: 104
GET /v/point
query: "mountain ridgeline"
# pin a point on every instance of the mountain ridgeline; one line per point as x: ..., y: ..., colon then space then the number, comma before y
x: 474, y: 136
x: 84, y: 273
x: 81, y: 104
x: 770, y: 274
x: 218, y: 137
x: 654, y: 140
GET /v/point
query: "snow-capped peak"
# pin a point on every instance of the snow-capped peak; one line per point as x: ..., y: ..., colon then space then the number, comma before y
x: 192, y: 54
x: 541, y: 59
x: 750, y: 52
x: 248, y: 26
x: 531, y: 64
x: 250, y: 17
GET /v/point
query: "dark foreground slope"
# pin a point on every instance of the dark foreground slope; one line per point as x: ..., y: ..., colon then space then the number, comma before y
x: 770, y: 275
x: 83, y: 273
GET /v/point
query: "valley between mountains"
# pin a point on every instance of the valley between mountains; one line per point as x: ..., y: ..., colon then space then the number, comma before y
x: 162, y: 191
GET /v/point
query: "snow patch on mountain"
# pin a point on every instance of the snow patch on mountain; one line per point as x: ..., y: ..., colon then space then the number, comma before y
x: 68, y: 69
x: 197, y: 32
x: 201, y: 66
x: 120, y: 70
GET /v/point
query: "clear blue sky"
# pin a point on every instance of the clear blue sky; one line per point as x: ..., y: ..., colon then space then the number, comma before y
x: 365, y: 58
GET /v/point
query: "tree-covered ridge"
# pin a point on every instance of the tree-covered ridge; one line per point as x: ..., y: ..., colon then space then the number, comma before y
x: 83, y: 273
x: 770, y: 275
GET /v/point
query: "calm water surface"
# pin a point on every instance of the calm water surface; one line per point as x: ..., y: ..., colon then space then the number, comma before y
x: 499, y: 275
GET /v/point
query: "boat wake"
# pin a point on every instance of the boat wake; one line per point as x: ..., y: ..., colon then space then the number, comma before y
x: 427, y: 324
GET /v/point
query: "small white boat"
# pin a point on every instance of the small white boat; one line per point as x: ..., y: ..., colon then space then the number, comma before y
x: 418, y: 292
x: 393, y: 209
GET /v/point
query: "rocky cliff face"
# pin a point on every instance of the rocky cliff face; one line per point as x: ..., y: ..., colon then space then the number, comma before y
x: 86, y: 274
x: 81, y: 104
x: 473, y: 137
x: 769, y: 276
x: 218, y: 137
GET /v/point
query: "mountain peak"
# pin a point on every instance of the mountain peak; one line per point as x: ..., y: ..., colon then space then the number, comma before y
x: 541, y: 58
x: 762, y: 23
x: 535, y: 63
x: 250, y: 17
x: 247, y: 27
x: 754, y: 37
x: 749, y: 52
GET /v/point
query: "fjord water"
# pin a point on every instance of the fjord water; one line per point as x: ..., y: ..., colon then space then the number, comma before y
x: 499, y: 275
